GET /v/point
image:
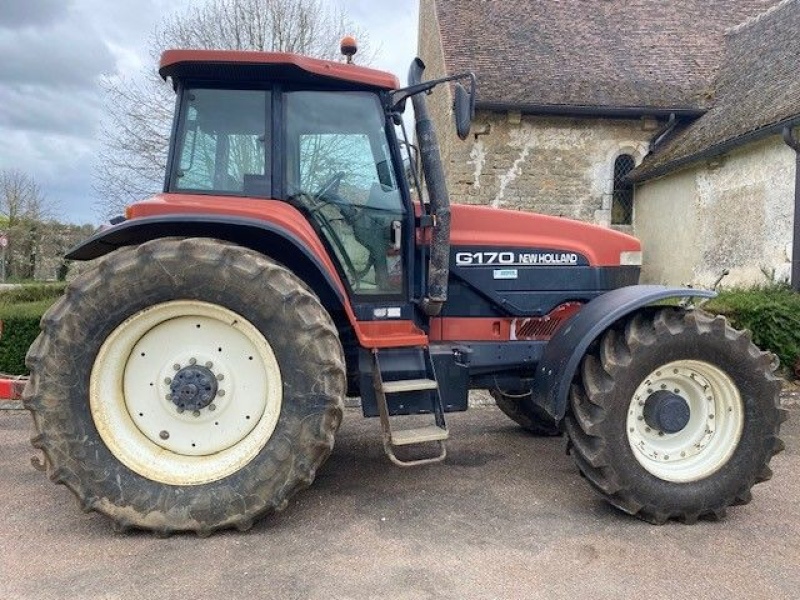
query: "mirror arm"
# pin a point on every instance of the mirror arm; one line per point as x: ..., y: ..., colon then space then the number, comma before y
x: 399, y: 97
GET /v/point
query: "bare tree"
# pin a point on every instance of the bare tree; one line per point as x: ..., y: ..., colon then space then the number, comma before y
x: 135, y: 137
x: 23, y: 209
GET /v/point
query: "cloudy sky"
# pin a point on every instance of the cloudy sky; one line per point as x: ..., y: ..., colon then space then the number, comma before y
x: 55, y: 51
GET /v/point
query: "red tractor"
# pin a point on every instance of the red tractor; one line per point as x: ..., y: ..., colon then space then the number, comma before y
x: 194, y: 378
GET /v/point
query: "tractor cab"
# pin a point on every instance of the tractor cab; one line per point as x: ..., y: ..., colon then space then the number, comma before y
x: 326, y: 149
x: 317, y: 135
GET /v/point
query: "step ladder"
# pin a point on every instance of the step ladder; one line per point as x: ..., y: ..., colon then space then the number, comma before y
x: 436, y: 432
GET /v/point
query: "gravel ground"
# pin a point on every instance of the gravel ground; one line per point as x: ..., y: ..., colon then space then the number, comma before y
x: 507, y: 516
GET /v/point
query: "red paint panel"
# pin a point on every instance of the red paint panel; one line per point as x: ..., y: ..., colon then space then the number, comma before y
x: 470, y: 329
x: 492, y: 329
x: 485, y: 226
x: 324, y: 68
x: 11, y: 389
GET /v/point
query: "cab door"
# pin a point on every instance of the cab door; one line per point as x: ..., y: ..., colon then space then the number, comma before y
x: 339, y: 170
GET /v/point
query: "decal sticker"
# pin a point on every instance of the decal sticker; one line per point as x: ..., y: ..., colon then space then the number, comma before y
x: 392, y: 312
x: 505, y: 274
x: 516, y: 259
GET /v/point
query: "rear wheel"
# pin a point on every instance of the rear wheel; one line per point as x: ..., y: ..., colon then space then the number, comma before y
x: 186, y: 386
x: 675, y: 415
x: 532, y: 418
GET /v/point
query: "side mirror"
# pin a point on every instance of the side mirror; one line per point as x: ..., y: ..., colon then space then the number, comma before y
x: 464, y: 109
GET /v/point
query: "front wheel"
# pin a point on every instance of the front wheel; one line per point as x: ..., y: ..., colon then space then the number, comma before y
x: 675, y: 415
x: 187, y: 385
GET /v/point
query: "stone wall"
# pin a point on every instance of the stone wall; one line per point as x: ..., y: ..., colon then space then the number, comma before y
x: 732, y: 213
x: 553, y: 165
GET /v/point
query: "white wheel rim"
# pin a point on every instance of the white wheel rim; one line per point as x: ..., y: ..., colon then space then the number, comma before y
x: 130, y: 393
x: 710, y: 437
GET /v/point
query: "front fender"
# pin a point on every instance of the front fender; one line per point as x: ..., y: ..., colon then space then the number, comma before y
x: 564, y: 351
x: 306, y: 257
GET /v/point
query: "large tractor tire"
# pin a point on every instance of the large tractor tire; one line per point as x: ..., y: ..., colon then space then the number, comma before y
x: 186, y: 385
x: 675, y: 415
x: 531, y: 418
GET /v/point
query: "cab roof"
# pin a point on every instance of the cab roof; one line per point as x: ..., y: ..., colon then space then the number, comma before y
x: 250, y: 67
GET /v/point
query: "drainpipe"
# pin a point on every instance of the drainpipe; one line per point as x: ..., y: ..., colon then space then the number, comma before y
x: 794, y: 144
x: 663, y: 133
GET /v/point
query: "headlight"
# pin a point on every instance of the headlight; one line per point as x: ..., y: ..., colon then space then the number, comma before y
x: 631, y: 258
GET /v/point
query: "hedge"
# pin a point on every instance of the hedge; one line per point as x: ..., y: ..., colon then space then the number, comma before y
x: 20, y: 328
x: 771, y: 313
x: 31, y: 293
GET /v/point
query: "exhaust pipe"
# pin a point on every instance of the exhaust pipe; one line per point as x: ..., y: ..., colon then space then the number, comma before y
x: 439, y: 263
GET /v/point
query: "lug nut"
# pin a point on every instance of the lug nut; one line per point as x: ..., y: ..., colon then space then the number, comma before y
x: 192, y: 361
x: 176, y: 366
x: 164, y: 435
x: 209, y: 364
x: 220, y: 376
x: 167, y: 380
x: 168, y: 397
x: 212, y: 407
x: 220, y: 393
x: 196, y: 413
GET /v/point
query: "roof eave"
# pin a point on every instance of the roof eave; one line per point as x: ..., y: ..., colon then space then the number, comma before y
x: 713, y: 151
x: 573, y: 110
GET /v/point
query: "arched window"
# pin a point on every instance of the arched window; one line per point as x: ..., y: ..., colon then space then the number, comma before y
x: 622, y: 201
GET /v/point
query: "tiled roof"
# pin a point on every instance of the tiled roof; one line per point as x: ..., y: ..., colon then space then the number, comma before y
x: 590, y: 53
x: 757, y: 92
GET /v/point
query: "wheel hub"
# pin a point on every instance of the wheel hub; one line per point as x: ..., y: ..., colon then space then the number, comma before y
x: 684, y: 420
x: 666, y: 411
x: 193, y: 387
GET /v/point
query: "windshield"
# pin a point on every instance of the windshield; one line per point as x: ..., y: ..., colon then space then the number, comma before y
x: 339, y: 168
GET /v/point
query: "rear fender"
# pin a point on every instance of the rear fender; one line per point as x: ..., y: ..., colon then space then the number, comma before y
x: 563, y: 353
x: 262, y: 236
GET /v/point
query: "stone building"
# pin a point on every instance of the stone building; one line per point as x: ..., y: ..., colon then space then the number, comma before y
x: 660, y: 119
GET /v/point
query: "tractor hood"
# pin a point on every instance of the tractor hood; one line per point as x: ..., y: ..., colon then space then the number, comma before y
x: 497, y: 229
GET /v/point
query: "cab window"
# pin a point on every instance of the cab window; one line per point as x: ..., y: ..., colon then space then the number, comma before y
x: 223, y: 143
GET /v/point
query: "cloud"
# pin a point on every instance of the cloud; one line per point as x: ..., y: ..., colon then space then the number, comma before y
x: 47, y: 110
x: 56, y: 56
x: 32, y: 13
x: 55, y: 51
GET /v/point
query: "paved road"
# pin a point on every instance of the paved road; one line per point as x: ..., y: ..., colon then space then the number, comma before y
x: 506, y: 517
